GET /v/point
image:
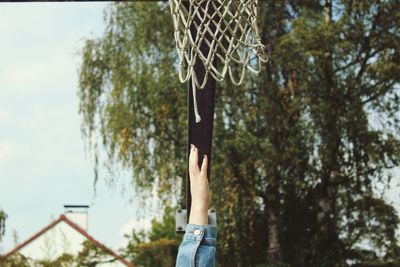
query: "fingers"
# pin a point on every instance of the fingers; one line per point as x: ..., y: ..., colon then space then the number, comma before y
x: 193, y: 160
x: 204, y: 165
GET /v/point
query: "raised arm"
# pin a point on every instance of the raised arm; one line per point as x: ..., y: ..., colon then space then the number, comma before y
x: 199, y: 242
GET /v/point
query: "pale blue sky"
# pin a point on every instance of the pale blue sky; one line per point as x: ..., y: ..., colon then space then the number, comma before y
x: 42, y: 158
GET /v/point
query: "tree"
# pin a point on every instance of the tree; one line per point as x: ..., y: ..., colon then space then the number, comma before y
x: 90, y: 255
x: 298, y: 159
x: 344, y: 58
x: 158, y: 247
x: 93, y: 255
x: 132, y: 67
x: 16, y: 260
x: 65, y: 260
x: 3, y: 217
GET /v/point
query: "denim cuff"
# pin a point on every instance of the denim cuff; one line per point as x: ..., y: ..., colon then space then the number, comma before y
x: 198, y: 246
x: 198, y: 232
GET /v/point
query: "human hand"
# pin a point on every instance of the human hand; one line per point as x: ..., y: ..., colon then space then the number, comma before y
x: 199, y: 188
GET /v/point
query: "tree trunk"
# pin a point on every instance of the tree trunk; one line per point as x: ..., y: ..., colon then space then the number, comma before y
x: 328, y: 244
x: 274, y: 248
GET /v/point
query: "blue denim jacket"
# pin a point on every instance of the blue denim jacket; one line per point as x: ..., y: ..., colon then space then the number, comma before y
x: 198, y: 246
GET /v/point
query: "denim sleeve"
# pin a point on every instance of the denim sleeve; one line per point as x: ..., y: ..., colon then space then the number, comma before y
x: 198, y: 246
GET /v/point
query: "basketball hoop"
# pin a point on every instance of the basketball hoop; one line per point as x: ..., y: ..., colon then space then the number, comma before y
x: 218, y: 34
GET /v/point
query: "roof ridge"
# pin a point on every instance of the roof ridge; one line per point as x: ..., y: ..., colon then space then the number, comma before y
x: 76, y: 228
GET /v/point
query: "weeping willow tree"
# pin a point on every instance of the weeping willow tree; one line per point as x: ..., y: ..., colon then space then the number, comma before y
x: 302, y: 153
x: 130, y: 96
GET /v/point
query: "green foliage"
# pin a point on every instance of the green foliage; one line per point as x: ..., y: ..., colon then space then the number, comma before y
x: 16, y: 260
x: 158, y: 247
x: 302, y: 152
x: 3, y: 217
x: 91, y: 255
x: 164, y: 228
x: 128, y: 82
x: 65, y: 260
x: 159, y: 253
x: 344, y: 63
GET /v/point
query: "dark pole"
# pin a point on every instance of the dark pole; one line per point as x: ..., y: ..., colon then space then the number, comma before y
x: 200, y: 134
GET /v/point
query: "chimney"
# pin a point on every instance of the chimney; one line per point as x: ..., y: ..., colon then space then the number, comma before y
x: 78, y: 214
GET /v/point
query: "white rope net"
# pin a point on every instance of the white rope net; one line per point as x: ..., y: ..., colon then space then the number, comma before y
x: 222, y: 35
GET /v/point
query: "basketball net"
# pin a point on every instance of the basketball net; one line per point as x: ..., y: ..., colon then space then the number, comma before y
x: 222, y: 35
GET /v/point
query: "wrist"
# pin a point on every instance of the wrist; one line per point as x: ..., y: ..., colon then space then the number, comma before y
x: 199, y: 208
x: 198, y: 215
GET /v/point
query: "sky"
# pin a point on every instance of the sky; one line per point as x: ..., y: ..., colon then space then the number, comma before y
x: 43, y: 164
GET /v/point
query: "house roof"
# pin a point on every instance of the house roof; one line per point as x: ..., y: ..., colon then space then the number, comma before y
x: 63, y: 218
